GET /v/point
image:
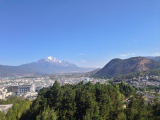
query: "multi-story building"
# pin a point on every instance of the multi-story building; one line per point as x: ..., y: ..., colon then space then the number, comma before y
x: 21, y: 89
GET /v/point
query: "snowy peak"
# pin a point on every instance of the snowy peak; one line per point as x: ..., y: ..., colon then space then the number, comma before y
x: 52, y: 60
x: 55, y: 62
x: 49, y: 65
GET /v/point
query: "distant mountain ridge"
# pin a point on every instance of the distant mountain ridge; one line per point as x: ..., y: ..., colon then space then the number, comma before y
x: 119, y: 66
x: 49, y: 65
x: 92, y: 72
x: 155, y: 58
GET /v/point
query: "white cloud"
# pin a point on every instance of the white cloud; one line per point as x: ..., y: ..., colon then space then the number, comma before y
x: 128, y: 54
x: 83, y: 61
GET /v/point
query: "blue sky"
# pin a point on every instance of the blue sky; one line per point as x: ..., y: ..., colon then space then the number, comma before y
x: 88, y: 33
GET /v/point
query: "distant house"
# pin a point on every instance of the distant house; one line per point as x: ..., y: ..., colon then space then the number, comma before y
x: 86, y: 80
x: 5, y: 107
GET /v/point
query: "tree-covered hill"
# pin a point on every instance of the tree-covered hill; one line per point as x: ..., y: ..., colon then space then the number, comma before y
x: 118, y: 67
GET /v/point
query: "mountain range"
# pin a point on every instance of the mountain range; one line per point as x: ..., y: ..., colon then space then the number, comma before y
x: 155, y: 58
x: 49, y: 65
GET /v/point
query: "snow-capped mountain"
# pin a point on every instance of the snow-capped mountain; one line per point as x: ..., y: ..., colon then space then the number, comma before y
x: 53, y: 61
x: 49, y: 65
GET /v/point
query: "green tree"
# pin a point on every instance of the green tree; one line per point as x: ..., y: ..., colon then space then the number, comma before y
x: 47, y: 114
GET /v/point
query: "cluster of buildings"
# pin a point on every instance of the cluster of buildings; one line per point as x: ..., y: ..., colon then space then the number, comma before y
x: 4, y: 93
x: 144, y: 81
x: 28, y: 91
x: 28, y: 87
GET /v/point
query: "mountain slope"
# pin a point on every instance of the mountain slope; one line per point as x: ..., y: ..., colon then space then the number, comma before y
x: 51, y: 65
x: 92, y: 72
x: 118, y: 66
x: 7, y: 71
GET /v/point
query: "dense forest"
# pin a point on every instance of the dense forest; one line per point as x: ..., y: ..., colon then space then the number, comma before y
x: 86, y: 102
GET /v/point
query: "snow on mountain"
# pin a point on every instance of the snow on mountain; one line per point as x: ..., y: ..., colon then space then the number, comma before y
x: 49, y: 65
x: 52, y: 59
